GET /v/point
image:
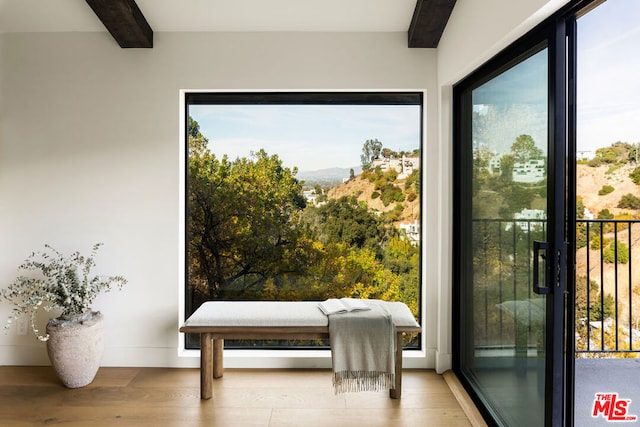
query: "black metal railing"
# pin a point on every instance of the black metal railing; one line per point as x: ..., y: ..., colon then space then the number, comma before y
x: 507, y: 315
x: 506, y: 312
x: 606, y: 319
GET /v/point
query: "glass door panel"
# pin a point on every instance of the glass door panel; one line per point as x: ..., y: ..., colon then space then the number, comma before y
x: 503, y: 215
x: 607, y: 283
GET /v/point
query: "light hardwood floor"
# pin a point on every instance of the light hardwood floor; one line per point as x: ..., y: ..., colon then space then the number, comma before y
x: 160, y: 397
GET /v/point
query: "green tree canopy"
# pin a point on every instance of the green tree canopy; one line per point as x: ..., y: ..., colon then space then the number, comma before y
x: 370, y: 151
x: 346, y: 221
x: 617, y: 153
x: 524, y: 148
x: 240, y: 219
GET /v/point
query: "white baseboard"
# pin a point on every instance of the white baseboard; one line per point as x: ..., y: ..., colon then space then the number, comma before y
x: 36, y: 355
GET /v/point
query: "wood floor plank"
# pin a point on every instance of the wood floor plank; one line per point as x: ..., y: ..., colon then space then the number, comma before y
x: 158, y: 397
x: 368, y: 417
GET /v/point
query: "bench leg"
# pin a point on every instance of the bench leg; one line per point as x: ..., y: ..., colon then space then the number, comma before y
x: 206, y: 366
x: 396, y: 392
x: 218, y: 367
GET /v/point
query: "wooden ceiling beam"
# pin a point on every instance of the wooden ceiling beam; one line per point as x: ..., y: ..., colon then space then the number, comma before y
x: 125, y: 22
x: 429, y: 20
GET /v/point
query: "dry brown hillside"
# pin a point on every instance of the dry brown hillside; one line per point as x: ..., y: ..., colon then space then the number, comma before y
x: 363, y: 188
x: 589, y: 181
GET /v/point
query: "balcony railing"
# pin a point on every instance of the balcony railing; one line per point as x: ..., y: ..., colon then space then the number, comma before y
x: 508, y: 315
x: 608, y: 287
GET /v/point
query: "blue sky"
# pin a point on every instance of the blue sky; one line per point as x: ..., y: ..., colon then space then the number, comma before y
x: 310, y: 137
x: 609, y: 75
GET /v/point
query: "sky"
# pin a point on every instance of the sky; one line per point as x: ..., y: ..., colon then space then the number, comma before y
x: 608, y: 85
x: 314, y: 137
x: 609, y: 75
x: 310, y: 137
x: 511, y: 104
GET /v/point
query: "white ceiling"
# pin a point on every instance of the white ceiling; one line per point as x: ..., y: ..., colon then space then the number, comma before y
x: 217, y: 15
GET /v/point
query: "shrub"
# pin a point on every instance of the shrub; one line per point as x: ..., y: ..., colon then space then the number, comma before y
x: 375, y: 195
x: 602, y: 310
x: 612, y: 169
x: 629, y: 201
x: 605, y: 214
x: 596, y: 243
x: 635, y: 175
x: 606, y: 189
x: 595, y: 162
x: 391, y: 193
x: 610, y: 255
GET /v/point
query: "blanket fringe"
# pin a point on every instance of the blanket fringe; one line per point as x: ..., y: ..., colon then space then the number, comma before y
x: 355, y: 381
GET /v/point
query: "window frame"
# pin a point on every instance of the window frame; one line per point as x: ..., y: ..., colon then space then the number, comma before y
x: 291, y: 97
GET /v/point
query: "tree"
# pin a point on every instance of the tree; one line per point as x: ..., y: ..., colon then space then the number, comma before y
x: 524, y: 148
x: 193, y: 128
x: 616, y: 153
x: 240, y: 217
x: 370, y: 151
x: 388, y: 153
x: 347, y: 221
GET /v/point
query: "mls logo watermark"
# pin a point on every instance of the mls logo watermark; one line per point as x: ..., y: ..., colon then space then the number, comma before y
x: 612, y: 408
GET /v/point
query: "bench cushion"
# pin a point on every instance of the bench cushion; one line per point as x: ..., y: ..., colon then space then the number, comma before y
x: 277, y: 314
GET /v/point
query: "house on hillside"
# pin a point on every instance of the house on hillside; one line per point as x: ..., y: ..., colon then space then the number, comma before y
x: 529, y: 172
x: 404, y: 166
x: 530, y: 220
x: 411, y: 232
x: 495, y: 165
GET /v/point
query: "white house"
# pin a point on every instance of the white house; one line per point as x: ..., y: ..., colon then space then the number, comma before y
x: 532, y: 220
x: 529, y: 172
x: 404, y: 166
x: 411, y: 232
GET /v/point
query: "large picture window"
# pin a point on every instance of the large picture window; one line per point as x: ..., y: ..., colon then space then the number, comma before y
x: 302, y: 196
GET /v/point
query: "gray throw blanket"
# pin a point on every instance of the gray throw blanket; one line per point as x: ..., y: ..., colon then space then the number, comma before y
x: 363, y: 349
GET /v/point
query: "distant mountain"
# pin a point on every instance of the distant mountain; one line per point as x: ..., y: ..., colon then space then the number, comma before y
x: 327, y: 177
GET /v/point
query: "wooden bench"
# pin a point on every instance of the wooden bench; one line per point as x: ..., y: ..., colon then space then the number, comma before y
x: 216, y: 321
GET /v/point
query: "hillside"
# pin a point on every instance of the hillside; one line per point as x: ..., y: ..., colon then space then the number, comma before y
x: 589, y: 181
x: 363, y: 188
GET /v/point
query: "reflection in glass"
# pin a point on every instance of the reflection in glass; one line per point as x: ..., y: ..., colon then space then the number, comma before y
x: 505, y: 319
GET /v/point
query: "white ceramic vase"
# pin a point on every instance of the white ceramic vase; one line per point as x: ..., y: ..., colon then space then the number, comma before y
x: 75, y: 347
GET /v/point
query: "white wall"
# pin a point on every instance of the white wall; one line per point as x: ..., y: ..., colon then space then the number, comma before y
x: 89, y: 152
x: 476, y: 31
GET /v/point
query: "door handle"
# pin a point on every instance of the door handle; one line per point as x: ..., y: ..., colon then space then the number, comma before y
x: 539, y: 247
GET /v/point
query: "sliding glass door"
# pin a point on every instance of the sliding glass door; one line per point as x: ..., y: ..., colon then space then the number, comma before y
x: 509, y: 204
